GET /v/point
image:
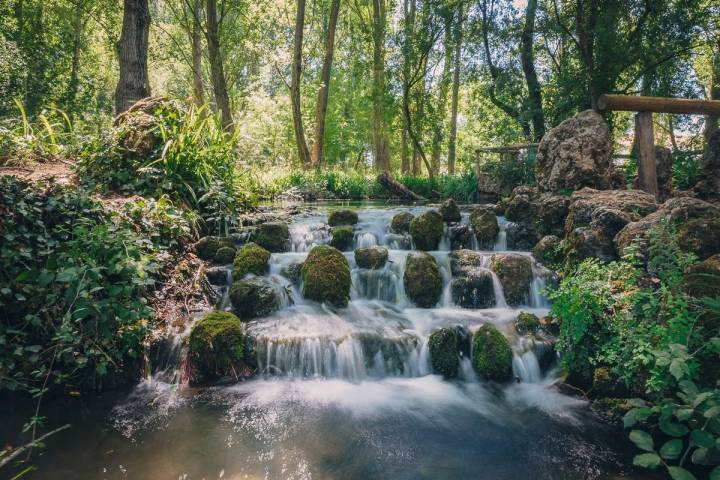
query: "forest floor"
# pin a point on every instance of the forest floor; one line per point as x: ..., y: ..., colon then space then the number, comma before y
x: 60, y: 170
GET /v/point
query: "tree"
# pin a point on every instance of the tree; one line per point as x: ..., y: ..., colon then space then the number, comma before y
x: 132, y: 48
x: 381, y: 147
x: 217, y: 72
x: 527, y: 59
x: 452, y: 141
x: 303, y: 151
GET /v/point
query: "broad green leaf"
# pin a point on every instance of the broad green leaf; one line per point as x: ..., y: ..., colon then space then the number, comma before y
x: 643, y: 440
x: 647, y: 460
x: 715, y: 474
x: 679, y: 473
x: 673, y: 429
x: 671, y: 449
x: 703, y: 438
x: 678, y: 368
x: 712, y: 412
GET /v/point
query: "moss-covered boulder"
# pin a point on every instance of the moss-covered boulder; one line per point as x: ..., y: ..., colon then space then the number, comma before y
x: 273, y: 236
x: 461, y: 236
x: 326, y: 276
x: 703, y: 279
x: 527, y: 323
x: 251, y: 258
x: 218, y: 346
x: 485, y: 226
x: 520, y: 236
x: 700, y: 236
x: 342, y: 217
x: 492, y: 355
x: 450, y: 211
x: 371, y: 257
x: 474, y: 289
x: 343, y: 238
x: 207, y: 247
x: 422, y: 279
x: 253, y: 297
x: 444, y: 352
x: 401, y: 222
x: 515, y: 274
x: 548, y: 251
x: 225, y: 255
x: 427, y: 230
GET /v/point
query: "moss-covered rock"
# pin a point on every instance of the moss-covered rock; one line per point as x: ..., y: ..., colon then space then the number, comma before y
x: 703, y: 279
x: 450, y: 211
x: 253, y: 297
x: 401, y: 222
x: 515, y: 274
x: 474, y: 289
x: 371, y: 257
x: 427, y: 230
x: 251, y: 258
x: 342, y: 217
x: 485, y: 226
x: 422, y: 279
x: 526, y: 323
x: 207, y: 247
x: 700, y: 236
x: 548, y: 251
x: 520, y: 236
x: 293, y: 271
x: 343, y: 238
x: 492, y: 355
x: 326, y: 276
x: 461, y: 236
x: 273, y: 236
x: 224, y: 255
x: 219, y: 346
x: 444, y: 352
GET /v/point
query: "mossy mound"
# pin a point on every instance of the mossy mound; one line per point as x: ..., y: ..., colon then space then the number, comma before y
x: 326, y: 276
x: 224, y: 255
x: 492, y: 355
x: 273, y: 236
x: 253, y: 297
x: 703, y: 279
x: 473, y: 290
x: 373, y: 258
x: 515, y: 274
x: 343, y: 238
x: 218, y: 346
x: 207, y: 247
x: 342, y: 217
x: 526, y: 323
x: 422, y: 279
x: 444, y: 350
x: 548, y: 251
x: 251, y: 258
x: 427, y: 230
x: 485, y: 226
x: 401, y: 222
x: 700, y: 236
x: 450, y: 211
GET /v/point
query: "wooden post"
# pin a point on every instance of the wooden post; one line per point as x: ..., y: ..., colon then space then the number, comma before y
x: 645, y: 142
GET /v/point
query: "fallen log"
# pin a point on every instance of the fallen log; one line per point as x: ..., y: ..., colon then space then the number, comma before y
x: 398, y: 189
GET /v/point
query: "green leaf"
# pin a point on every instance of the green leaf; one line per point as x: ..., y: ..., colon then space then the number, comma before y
x: 673, y: 429
x: 679, y: 473
x: 643, y: 440
x: 715, y: 474
x: 647, y: 460
x: 671, y: 449
x: 712, y: 412
x: 678, y: 368
x: 703, y: 438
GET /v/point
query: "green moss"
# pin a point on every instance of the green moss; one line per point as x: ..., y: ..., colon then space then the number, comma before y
x: 224, y: 255
x: 251, y: 258
x: 207, y: 247
x: 703, y: 279
x: 217, y: 346
x: 342, y: 217
x: 371, y: 257
x: 548, y: 251
x: 492, y: 355
x: 443, y: 349
x: 426, y: 230
x: 515, y: 274
x: 342, y: 237
x: 422, y: 279
x: 485, y: 226
x: 326, y: 276
x: 401, y: 222
x: 253, y: 297
x: 527, y: 323
x: 273, y: 236
x: 450, y: 211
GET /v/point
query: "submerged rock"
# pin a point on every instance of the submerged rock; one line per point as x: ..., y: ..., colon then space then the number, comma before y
x: 343, y: 238
x: 444, y: 352
x: 427, y: 230
x: 401, y: 222
x: 548, y: 250
x: 251, y: 258
x: 371, y: 257
x: 254, y: 297
x: 293, y: 271
x: 515, y: 274
x: 485, y: 226
x: 526, y: 323
x: 326, y: 276
x: 473, y: 290
x: 422, y: 279
x: 342, y: 217
x: 207, y: 248
x: 492, y: 355
x: 273, y: 236
x: 450, y: 211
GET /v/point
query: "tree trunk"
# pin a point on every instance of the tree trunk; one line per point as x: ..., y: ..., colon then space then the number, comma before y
x: 317, y: 153
x: 409, y: 13
x: 438, y: 122
x: 711, y: 121
x: 133, y: 83
x: 196, y: 43
x: 380, y: 141
x: 217, y: 73
x: 398, y: 188
x: 74, y: 82
x: 527, y: 59
x: 303, y: 152
x: 455, y: 89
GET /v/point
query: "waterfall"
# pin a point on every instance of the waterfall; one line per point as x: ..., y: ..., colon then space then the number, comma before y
x: 501, y: 241
x: 526, y: 366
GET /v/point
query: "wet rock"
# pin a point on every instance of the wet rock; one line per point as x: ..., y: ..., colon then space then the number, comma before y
x: 708, y: 185
x: 273, y: 236
x: 587, y: 242
x: 527, y: 323
x: 551, y: 213
x: 207, y: 247
x: 515, y: 274
x: 217, y: 276
x: 450, y: 211
x: 520, y: 206
x: 575, y: 154
x: 343, y: 238
x: 371, y: 257
x: 422, y: 279
x: 399, y: 241
x: 485, y: 226
x: 444, y: 352
x: 460, y: 236
x: 224, y: 255
x: 427, y: 230
x: 251, y: 258
x: 464, y: 261
x: 293, y: 271
x: 492, y: 355
x: 254, y: 297
x: 702, y: 279
x: 548, y: 251
x: 326, y: 276
x: 342, y: 217
x: 401, y: 222
x: 473, y: 290
x: 520, y: 236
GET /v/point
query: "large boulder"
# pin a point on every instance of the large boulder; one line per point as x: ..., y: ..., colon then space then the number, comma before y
x: 474, y: 289
x: 444, y: 352
x: 210, y: 248
x: 254, y: 297
x: 515, y: 274
x: 273, y: 236
x: 343, y: 238
x: 521, y: 206
x: 551, y: 213
x: 575, y: 154
x: 326, y: 276
x: 342, y: 217
x: 526, y: 323
x: 586, y: 242
x: 461, y: 236
x: 702, y: 279
x: 708, y: 185
x: 485, y: 226
x: 450, y: 211
x: 464, y: 261
x: 547, y: 250
x: 520, y: 236
x: 422, y: 279
x: 492, y: 355
x: 372, y: 258
x: 401, y: 222
x: 427, y: 230
x: 251, y: 258
x: 218, y: 346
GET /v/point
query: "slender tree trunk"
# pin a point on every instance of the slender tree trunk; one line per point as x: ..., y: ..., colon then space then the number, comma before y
x: 322, y: 103
x: 380, y: 141
x: 452, y: 142
x: 671, y: 131
x: 133, y: 83
x: 527, y: 58
x: 409, y: 8
x: 196, y: 43
x: 217, y: 73
x: 438, y: 122
x: 74, y: 82
x: 303, y: 152
x: 711, y: 121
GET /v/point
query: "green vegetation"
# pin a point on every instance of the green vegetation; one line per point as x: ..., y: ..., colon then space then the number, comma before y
x: 527, y: 323
x: 342, y: 238
x: 443, y: 349
x: 250, y: 258
x: 217, y: 347
x: 492, y: 355
x: 326, y: 276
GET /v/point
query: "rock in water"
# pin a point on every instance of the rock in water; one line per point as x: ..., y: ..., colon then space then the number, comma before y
x: 515, y: 274
x: 473, y: 290
x: 547, y: 250
x: 492, y: 355
x: 575, y: 154
x: 251, y: 258
x: 444, y: 352
x: 342, y: 217
x: 461, y: 236
x: 343, y: 238
x: 273, y: 236
x: 253, y: 297
x: 485, y: 226
x: 207, y: 248
x: 450, y: 211
x: 427, y: 230
x: 401, y: 222
x: 373, y: 258
x: 526, y: 323
x: 520, y: 236
x: 326, y: 276
x: 422, y: 279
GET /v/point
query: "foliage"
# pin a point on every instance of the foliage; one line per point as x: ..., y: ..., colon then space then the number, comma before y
x: 508, y: 171
x: 685, y: 169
